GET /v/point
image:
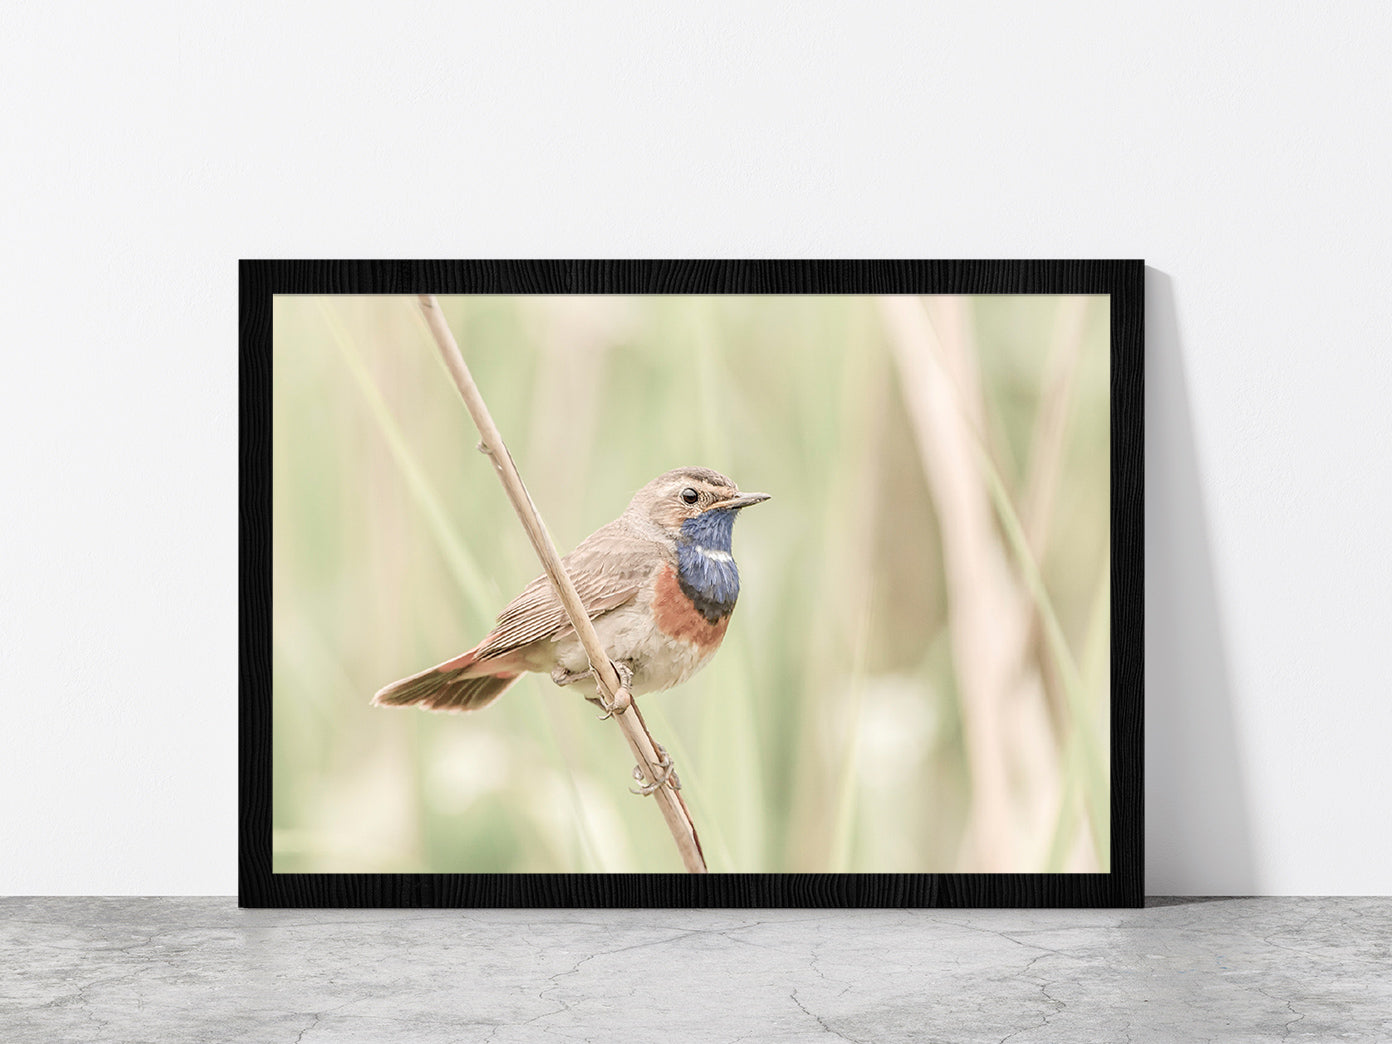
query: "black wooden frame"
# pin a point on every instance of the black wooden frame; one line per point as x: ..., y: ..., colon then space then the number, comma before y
x: 258, y: 886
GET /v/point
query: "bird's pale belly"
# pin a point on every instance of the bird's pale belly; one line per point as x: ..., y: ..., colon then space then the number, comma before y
x: 665, y: 640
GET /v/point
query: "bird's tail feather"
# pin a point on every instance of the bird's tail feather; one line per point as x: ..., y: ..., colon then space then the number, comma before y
x: 451, y: 686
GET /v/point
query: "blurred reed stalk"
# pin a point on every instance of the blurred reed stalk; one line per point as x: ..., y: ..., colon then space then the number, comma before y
x: 1051, y: 422
x: 625, y: 710
x: 1013, y: 763
x: 1046, y: 465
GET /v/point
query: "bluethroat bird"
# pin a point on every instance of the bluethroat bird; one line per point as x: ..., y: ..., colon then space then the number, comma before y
x: 659, y: 582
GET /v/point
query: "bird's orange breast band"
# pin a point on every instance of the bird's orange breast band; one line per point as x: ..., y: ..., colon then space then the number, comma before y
x: 677, y: 617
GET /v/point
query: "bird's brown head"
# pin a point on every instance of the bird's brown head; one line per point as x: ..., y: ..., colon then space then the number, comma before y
x: 678, y: 498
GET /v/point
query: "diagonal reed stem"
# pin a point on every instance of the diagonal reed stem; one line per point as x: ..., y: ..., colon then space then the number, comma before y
x: 640, y: 741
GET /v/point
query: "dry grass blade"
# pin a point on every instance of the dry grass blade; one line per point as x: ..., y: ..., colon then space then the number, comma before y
x: 995, y: 590
x: 626, y: 711
x: 942, y: 393
x: 987, y: 605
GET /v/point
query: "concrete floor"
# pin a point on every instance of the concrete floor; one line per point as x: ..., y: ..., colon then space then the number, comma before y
x: 173, y: 970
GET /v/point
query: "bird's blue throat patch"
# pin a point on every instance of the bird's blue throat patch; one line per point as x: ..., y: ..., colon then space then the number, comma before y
x: 705, y: 567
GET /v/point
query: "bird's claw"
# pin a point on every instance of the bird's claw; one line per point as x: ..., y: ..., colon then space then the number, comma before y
x: 667, y: 775
x: 625, y: 673
x: 622, y: 698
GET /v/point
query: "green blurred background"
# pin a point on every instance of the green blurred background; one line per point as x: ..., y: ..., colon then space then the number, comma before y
x: 911, y: 682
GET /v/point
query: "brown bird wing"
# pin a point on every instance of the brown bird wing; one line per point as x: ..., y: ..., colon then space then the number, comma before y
x: 608, y: 569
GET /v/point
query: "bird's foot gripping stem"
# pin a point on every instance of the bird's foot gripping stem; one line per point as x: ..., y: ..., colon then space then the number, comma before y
x: 622, y: 698
x: 666, y: 775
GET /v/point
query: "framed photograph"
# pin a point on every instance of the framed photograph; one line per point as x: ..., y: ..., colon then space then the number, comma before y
x: 860, y: 544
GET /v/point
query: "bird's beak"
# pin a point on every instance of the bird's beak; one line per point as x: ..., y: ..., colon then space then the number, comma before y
x: 743, y: 500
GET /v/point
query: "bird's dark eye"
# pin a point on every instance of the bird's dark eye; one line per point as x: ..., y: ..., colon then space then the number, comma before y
x: 689, y: 495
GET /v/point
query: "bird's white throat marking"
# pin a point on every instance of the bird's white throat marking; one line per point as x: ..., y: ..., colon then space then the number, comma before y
x: 715, y: 556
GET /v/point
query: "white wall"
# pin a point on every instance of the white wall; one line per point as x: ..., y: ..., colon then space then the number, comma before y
x: 1243, y: 152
